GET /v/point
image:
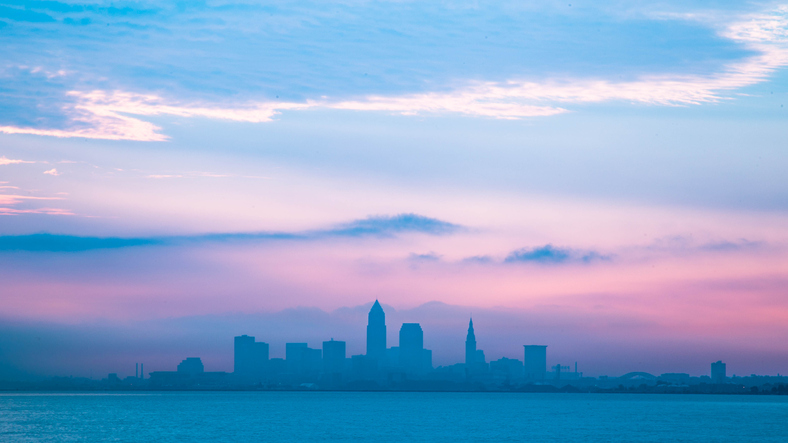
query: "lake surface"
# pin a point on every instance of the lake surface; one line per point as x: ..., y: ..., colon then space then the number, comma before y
x: 389, y: 416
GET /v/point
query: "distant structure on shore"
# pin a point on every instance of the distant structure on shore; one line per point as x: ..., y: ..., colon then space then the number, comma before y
x: 408, y: 362
x: 472, y: 360
x: 250, y: 358
x: 376, y: 332
x: 535, y: 362
x: 718, y: 372
x: 405, y: 366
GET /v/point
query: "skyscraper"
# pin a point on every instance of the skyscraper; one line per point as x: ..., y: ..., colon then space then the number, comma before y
x: 413, y: 358
x: 250, y: 357
x: 718, y: 373
x: 376, y: 333
x: 535, y: 362
x: 333, y: 357
x: 470, y: 347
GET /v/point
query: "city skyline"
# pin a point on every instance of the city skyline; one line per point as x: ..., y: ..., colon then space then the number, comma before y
x: 407, y: 365
x: 450, y: 346
x: 331, y: 367
x: 606, y: 179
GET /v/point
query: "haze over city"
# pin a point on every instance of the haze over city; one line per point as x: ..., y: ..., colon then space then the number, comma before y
x: 607, y: 180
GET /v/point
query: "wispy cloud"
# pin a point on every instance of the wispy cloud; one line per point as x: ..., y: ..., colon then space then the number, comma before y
x: 200, y: 174
x: 46, y: 211
x: 52, y: 171
x: 8, y: 161
x: 766, y: 34
x: 732, y: 246
x: 481, y: 100
x: 377, y: 226
x: 9, y: 201
x: 116, y: 114
x: 479, y: 259
x: 389, y: 225
x: 549, y: 254
x: 163, y: 176
x: 683, y: 245
x: 107, y: 115
x: 427, y: 257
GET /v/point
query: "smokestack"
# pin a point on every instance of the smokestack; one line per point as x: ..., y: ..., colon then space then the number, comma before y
x: 142, y: 370
x: 136, y: 370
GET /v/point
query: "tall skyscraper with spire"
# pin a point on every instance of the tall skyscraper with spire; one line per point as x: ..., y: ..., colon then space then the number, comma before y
x: 470, y: 347
x: 376, y: 332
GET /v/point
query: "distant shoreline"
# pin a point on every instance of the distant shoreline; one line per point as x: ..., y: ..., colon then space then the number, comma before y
x: 744, y: 392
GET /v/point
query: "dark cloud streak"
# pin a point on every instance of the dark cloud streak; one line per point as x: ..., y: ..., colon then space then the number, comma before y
x: 375, y: 226
x: 549, y: 254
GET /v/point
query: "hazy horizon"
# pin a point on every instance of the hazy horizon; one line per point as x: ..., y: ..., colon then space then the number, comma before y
x: 600, y: 346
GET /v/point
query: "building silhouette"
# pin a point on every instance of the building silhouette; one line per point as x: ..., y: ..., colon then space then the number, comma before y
x: 481, y: 360
x: 718, y: 374
x: 301, y: 359
x: 333, y: 357
x: 475, y: 362
x: 376, y: 333
x: 535, y: 362
x: 191, y: 366
x: 470, y: 347
x: 189, y: 374
x: 250, y: 358
x: 508, y: 369
x: 413, y: 358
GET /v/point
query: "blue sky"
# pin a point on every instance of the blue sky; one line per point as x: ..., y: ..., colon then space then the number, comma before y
x: 304, y: 50
x: 579, y: 156
x: 231, y: 53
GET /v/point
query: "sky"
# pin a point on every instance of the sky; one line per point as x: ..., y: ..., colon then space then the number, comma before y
x: 605, y: 179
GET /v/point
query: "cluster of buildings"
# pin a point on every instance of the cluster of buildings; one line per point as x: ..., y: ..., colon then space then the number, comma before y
x: 381, y: 364
x: 407, y: 361
x: 409, y: 366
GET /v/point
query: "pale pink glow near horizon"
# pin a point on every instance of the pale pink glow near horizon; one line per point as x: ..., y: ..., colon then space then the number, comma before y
x: 300, y: 200
x: 333, y: 275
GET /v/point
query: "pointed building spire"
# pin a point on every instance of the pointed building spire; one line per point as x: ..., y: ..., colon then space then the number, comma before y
x: 376, y: 332
x: 470, y: 346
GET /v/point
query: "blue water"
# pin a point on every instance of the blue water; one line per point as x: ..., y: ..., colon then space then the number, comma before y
x: 390, y: 416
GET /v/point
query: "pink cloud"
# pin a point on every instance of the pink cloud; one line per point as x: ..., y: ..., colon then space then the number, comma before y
x: 47, y: 211
x: 52, y: 171
x: 7, y: 200
x: 8, y: 161
x: 163, y: 176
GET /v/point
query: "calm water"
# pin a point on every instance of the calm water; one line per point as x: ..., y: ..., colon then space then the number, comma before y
x: 390, y: 416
